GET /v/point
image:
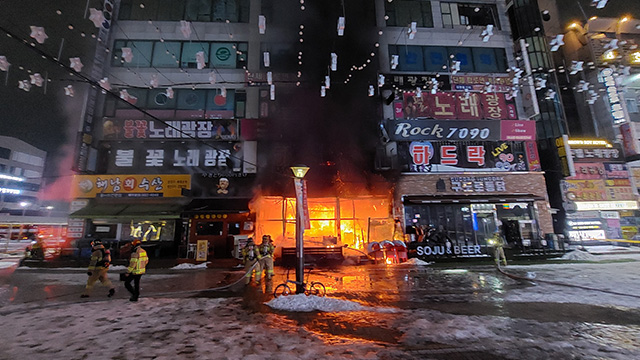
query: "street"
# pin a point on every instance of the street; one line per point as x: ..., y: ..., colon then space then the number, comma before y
x: 407, y: 311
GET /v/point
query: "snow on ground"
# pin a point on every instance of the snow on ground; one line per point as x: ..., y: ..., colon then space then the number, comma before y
x: 301, y: 302
x: 188, y: 266
x: 416, y: 261
x: 200, y: 328
x: 203, y: 328
x: 614, y: 278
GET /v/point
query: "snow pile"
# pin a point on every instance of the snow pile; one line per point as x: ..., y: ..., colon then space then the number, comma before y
x: 578, y: 255
x: 303, y: 303
x: 416, y: 261
x: 188, y: 266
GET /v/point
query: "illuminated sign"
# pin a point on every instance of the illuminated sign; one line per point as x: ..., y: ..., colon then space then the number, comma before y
x: 590, y: 142
x: 609, y: 55
x: 634, y: 57
x: 606, y: 205
x: 9, y: 177
x: 617, y: 110
x: 587, y: 235
x: 138, y: 186
x: 10, y: 191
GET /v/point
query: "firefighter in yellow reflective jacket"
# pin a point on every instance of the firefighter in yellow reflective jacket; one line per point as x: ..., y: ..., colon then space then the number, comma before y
x: 498, y: 243
x: 137, y: 267
x: 266, y: 250
x: 98, y: 267
x: 251, y: 257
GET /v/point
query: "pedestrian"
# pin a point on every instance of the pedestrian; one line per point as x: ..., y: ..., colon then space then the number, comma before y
x: 98, y: 267
x: 266, y: 250
x: 137, y: 267
x: 498, y: 243
x: 251, y: 257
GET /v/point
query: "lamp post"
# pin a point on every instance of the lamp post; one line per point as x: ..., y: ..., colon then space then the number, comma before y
x: 299, y: 171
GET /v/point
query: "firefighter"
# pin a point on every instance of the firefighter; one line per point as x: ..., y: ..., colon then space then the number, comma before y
x: 137, y: 267
x: 266, y: 250
x: 251, y: 257
x: 98, y: 267
x: 497, y: 241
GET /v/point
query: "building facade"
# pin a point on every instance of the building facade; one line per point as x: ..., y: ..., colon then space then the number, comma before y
x: 454, y: 126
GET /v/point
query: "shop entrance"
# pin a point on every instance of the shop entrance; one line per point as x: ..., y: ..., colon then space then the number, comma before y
x: 485, y: 221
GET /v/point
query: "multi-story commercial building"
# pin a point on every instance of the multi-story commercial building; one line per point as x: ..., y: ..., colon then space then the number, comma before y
x: 454, y: 125
x: 596, y: 63
x: 21, y: 169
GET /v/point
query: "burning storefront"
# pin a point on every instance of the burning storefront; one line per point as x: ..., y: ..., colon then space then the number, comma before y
x: 339, y: 226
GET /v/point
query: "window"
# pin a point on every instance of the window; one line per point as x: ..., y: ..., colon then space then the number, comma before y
x: 435, y: 58
x: 468, y: 14
x: 404, y: 12
x: 234, y: 228
x: 192, y: 10
x: 209, y: 228
x: 173, y: 54
x: 189, y: 51
x: 191, y: 99
x: 166, y: 54
x: 632, y: 105
x: 5, y: 153
x: 141, y: 51
x: 198, y: 10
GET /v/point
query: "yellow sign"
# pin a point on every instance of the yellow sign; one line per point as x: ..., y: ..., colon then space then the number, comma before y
x: 201, y: 251
x: 129, y: 186
x: 587, y: 142
x: 634, y: 58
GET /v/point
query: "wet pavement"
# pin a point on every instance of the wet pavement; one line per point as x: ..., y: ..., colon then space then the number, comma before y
x: 418, y: 294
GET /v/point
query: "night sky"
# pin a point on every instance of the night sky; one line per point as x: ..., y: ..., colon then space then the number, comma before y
x: 48, y: 120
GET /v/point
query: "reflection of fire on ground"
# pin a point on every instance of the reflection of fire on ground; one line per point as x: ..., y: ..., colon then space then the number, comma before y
x: 335, y: 222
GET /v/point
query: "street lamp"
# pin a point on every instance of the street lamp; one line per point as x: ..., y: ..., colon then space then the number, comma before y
x: 299, y: 171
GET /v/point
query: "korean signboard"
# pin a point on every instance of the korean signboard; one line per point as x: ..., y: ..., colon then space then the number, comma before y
x: 580, y: 153
x: 478, y: 82
x: 130, y: 186
x: 117, y: 129
x: 461, y: 130
x: 221, y: 158
x: 615, y: 98
x: 478, y: 184
x: 455, y: 105
x: 427, y: 156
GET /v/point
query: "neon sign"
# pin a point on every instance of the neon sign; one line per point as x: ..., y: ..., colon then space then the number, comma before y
x: 634, y: 58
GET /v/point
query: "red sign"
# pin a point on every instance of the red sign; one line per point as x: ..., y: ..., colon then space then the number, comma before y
x: 518, y: 130
x: 450, y: 105
x: 585, y: 171
x: 532, y: 156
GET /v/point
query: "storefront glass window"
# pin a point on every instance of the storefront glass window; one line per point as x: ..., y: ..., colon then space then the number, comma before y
x: 209, y: 228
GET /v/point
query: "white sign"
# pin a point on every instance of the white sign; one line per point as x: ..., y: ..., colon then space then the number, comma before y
x: 606, y: 205
x: 448, y: 250
x: 615, y: 102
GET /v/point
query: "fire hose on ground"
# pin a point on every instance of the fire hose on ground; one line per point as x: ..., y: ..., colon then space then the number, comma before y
x: 532, y: 280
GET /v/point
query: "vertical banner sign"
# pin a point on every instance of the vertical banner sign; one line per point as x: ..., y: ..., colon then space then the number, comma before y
x: 305, y: 206
x: 533, y: 159
x: 201, y: 250
x: 301, y: 202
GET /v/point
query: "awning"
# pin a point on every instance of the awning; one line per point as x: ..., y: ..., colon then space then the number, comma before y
x: 469, y: 199
x: 226, y: 205
x: 160, y: 210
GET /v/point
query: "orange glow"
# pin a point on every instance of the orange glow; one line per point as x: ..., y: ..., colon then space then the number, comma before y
x: 334, y: 221
x: 389, y: 261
